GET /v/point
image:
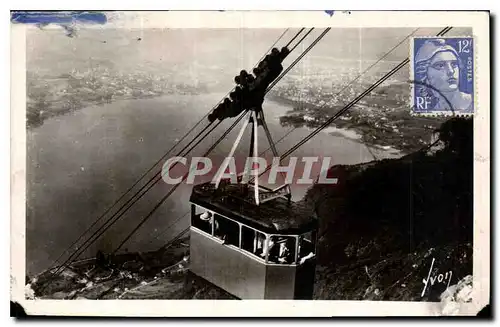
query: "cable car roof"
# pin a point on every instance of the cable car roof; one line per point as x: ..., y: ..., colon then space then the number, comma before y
x: 278, y: 216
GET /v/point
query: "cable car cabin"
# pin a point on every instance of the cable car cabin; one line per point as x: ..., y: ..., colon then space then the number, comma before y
x: 264, y: 251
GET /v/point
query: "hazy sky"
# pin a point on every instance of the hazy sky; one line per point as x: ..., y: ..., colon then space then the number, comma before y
x: 52, y: 52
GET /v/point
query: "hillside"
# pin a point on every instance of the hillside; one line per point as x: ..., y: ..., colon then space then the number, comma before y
x: 385, y: 222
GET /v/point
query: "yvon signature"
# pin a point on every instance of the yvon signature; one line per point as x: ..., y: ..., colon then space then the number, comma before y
x: 433, y: 278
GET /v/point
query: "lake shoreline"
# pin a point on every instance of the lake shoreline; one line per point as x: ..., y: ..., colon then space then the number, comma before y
x: 347, y: 133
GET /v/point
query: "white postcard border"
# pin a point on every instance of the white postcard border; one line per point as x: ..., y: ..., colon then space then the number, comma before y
x: 479, y: 21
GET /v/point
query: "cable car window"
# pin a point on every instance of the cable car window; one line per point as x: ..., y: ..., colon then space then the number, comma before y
x: 306, y: 246
x: 227, y: 230
x: 252, y: 241
x: 281, y: 249
x: 248, y: 239
x: 202, y: 219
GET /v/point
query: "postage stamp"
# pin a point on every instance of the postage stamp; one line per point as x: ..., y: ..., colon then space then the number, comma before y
x: 442, y: 75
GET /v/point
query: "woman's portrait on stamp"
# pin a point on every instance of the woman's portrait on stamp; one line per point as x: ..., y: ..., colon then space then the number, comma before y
x: 440, y: 72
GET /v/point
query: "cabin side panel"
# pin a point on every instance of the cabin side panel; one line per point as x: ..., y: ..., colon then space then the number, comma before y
x: 226, y: 267
x: 304, y: 280
x: 280, y: 282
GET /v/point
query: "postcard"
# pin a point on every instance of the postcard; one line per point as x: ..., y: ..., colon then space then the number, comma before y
x: 250, y: 163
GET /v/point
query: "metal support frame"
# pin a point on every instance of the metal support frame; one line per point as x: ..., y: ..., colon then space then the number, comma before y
x: 231, y: 153
x: 256, y: 154
x: 256, y: 118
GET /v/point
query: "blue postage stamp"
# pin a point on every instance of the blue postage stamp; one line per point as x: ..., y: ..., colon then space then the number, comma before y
x: 442, y: 75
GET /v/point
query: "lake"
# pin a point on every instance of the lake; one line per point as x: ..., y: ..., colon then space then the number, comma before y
x: 78, y: 164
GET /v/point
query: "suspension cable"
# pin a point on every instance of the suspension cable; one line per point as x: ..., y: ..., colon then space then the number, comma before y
x: 159, y: 161
x: 302, y: 39
x: 298, y: 58
x: 337, y: 94
x: 177, y: 185
x: 357, y: 99
x: 96, y: 235
x: 115, y: 217
x: 172, y: 190
x: 380, y: 81
x: 349, y: 105
x: 272, y: 46
x: 208, y: 152
x: 293, y: 39
x: 352, y: 82
x: 130, y: 188
x: 285, y: 72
